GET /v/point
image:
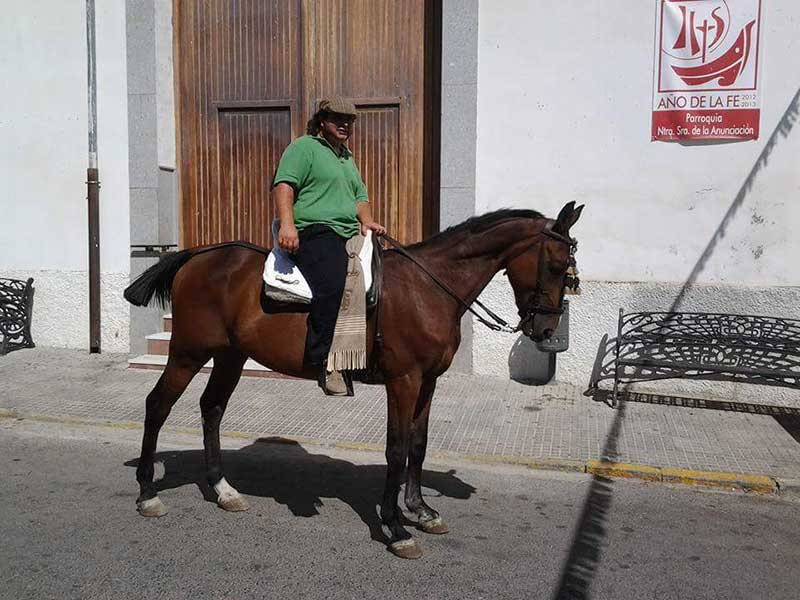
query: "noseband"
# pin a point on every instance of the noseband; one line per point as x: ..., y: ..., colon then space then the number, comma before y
x: 534, y: 305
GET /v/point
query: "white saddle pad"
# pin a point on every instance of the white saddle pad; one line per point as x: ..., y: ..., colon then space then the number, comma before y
x: 284, y: 282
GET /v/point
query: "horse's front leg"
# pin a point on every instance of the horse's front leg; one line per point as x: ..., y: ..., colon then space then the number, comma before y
x: 429, y: 520
x: 402, y: 396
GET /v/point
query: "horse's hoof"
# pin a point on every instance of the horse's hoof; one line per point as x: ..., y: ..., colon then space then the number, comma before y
x: 233, y: 504
x: 436, y: 526
x: 228, y: 498
x: 153, y: 507
x: 406, y: 549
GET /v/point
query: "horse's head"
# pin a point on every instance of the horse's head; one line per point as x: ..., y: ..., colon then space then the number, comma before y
x: 539, y: 276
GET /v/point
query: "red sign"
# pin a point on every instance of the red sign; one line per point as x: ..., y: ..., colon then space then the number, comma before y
x: 706, y: 80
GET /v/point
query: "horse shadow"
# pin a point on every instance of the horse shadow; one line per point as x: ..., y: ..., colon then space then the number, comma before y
x: 286, y: 472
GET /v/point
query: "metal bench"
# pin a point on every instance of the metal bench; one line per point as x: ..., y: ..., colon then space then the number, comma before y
x: 16, y: 309
x: 651, y: 346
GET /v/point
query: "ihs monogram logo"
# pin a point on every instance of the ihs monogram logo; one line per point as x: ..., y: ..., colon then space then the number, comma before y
x: 701, y: 47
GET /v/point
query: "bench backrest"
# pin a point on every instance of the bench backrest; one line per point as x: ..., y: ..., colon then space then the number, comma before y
x: 713, y: 346
x: 16, y: 302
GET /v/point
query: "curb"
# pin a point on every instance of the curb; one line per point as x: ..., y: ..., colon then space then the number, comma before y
x: 789, y: 488
x: 624, y: 470
x: 758, y: 484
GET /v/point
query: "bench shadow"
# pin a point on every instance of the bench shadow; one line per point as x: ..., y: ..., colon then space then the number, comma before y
x: 285, y: 471
x: 703, y: 403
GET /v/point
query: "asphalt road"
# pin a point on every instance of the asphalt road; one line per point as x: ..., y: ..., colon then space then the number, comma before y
x: 69, y: 529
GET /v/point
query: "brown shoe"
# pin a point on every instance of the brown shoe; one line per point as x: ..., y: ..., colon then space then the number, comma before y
x: 335, y: 384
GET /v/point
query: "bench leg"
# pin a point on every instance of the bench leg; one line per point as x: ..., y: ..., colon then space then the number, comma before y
x: 26, y: 333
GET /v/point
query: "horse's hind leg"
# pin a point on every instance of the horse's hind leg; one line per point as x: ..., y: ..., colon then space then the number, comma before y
x: 224, y: 377
x: 170, y: 386
x: 429, y: 520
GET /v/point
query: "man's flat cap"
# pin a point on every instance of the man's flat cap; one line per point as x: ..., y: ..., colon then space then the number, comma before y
x: 337, y: 104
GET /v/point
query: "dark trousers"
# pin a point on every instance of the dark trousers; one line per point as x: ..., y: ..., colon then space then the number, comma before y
x: 322, y: 259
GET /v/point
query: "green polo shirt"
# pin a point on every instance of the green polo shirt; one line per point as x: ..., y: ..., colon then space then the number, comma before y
x: 328, y: 186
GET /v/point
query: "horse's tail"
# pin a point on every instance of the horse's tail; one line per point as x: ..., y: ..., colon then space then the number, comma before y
x: 157, y: 280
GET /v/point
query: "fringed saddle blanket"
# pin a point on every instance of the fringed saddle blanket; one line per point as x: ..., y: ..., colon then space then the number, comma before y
x: 349, y: 347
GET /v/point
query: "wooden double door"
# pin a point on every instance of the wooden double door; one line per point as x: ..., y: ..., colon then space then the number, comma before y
x: 251, y: 72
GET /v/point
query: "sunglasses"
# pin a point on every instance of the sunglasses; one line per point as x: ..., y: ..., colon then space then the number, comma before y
x: 340, y: 119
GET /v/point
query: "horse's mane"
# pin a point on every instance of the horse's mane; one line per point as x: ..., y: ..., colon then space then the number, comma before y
x: 479, y: 224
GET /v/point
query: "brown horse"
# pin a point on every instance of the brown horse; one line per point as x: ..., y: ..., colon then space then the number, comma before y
x: 219, y: 312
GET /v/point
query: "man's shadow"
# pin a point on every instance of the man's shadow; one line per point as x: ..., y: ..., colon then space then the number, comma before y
x: 285, y: 471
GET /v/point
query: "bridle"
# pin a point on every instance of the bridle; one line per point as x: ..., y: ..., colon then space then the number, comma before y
x: 534, y: 305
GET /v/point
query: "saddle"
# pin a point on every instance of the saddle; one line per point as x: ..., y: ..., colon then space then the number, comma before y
x: 285, y: 284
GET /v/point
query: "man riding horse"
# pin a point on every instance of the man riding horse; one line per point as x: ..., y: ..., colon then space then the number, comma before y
x: 321, y: 202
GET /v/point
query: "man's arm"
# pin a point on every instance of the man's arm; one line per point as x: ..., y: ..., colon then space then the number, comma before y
x: 283, y: 196
x: 367, y: 222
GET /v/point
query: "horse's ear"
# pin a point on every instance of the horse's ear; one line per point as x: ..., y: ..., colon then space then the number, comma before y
x: 567, y: 218
x: 565, y: 212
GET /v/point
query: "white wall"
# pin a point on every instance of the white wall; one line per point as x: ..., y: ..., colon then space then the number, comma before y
x: 564, y: 100
x: 43, y: 128
x: 564, y: 97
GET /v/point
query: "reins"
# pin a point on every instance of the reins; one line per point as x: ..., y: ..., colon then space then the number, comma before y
x: 500, y: 324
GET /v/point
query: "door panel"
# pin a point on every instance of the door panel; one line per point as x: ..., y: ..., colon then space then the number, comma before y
x: 376, y: 148
x: 250, y: 141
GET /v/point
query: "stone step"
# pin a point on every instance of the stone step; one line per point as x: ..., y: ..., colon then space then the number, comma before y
x: 157, y: 362
x: 158, y: 343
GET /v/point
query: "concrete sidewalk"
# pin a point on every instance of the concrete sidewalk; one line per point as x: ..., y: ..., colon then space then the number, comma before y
x: 482, y: 418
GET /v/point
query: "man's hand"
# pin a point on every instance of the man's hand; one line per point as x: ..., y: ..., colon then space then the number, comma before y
x: 287, y: 238
x: 372, y: 226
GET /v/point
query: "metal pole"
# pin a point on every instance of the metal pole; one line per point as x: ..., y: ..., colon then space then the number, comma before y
x: 93, y: 187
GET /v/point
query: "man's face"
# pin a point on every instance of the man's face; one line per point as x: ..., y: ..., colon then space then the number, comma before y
x: 338, y: 127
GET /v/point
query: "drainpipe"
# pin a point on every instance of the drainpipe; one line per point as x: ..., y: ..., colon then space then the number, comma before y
x: 93, y: 188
